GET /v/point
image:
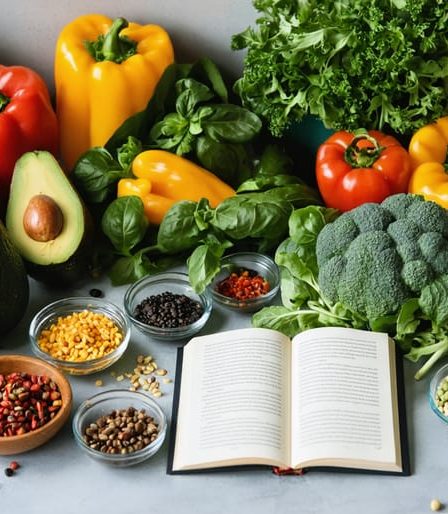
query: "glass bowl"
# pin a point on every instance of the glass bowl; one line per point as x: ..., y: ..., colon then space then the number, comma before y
x: 173, y: 282
x: 262, y: 265
x: 434, y: 383
x: 103, y: 404
x: 49, y: 314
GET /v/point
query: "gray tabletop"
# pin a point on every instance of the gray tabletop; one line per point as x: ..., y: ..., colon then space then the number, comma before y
x: 58, y: 478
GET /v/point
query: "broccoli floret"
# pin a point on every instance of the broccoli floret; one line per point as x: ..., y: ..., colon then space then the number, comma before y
x: 330, y: 275
x: 434, y: 248
x: 398, y: 204
x: 371, y: 282
x: 390, y: 258
x: 335, y: 238
x: 429, y: 216
x: 371, y: 216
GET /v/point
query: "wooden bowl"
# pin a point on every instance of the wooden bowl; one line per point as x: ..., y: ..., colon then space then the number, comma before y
x: 10, y: 445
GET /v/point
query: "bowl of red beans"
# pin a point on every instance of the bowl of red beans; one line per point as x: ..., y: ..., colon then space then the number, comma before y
x: 246, y: 281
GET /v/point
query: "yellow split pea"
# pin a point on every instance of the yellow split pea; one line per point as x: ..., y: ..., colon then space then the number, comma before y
x: 80, y: 336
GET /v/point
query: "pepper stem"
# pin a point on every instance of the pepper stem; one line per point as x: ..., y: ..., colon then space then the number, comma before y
x: 111, y: 46
x: 4, y: 101
x: 362, y: 156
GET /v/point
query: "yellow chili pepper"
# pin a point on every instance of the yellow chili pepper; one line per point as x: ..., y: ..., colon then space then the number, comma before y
x: 428, y: 150
x: 164, y: 178
x: 105, y: 71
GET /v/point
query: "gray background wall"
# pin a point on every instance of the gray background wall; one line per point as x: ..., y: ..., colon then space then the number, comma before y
x: 29, y: 28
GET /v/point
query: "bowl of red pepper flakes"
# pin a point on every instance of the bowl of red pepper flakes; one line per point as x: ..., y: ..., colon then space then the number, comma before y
x: 247, y: 281
x: 35, y: 402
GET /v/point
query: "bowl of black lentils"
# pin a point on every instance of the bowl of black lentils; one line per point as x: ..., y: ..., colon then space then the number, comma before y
x: 166, y: 307
x: 119, y: 427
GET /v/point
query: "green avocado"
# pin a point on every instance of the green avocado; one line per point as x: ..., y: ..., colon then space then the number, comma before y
x: 47, y: 221
x: 14, y: 287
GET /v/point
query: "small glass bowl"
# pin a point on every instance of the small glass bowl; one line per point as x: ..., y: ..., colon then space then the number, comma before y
x: 49, y: 314
x: 103, y: 404
x: 173, y: 282
x: 434, y: 383
x: 262, y: 265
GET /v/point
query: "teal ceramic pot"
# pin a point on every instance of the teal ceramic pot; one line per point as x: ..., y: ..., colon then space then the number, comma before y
x: 310, y: 133
x: 302, y: 141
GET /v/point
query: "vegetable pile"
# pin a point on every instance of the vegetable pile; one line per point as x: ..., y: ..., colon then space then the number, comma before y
x: 357, y: 63
x: 381, y: 266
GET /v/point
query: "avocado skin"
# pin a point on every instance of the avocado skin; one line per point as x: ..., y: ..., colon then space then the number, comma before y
x: 14, y: 286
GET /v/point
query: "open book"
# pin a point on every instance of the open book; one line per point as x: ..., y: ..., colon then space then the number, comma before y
x: 330, y: 397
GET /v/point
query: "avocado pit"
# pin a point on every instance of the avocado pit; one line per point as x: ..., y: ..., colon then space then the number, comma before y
x: 43, y: 219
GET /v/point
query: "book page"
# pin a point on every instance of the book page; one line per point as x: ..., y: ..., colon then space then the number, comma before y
x: 343, y: 406
x: 234, y: 400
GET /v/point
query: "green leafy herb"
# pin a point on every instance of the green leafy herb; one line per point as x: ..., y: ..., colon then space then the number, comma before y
x: 124, y: 223
x: 358, y: 63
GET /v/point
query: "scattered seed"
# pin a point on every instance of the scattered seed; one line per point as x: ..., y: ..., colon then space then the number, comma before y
x: 98, y: 383
x: 96, y: 293
x: 161, y: 372
x: 157, y: 394
x: 14, y: 465
x: 435, y: 505
x: 120, y: 378
x: 9, y: 472
x: 167, y: 380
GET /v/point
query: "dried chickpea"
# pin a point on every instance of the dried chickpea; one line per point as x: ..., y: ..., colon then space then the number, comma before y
x: 80, y: 336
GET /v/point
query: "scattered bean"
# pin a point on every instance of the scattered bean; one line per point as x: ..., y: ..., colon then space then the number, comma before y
x: 96, y: 293
x: 9, y: 472
x: 435, y: 505
x: 98, y: 383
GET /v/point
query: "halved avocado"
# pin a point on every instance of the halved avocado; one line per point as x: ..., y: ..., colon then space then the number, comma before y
x: 47, y: 221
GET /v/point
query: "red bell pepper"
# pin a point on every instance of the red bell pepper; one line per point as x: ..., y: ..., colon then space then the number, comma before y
x: 27, y: 120
x: 352, y: 169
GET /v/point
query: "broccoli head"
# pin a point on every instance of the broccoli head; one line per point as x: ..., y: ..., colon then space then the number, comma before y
x: 387, y: 254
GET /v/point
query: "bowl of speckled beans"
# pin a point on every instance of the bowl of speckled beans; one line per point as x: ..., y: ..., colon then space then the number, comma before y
x: 80, y: 335
x: 438, y: 393
x: 119, y: 427
x: 165, y: 306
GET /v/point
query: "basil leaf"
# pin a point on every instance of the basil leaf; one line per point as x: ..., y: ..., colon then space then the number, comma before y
x: 205, y: 70
x: 96, y: 174
x: 126, y: 270
x: 263, y: 183
x: 178, y: 231
x: 434, y: 300
x: 274, y: 161
x: 190, y: 94
x: 305, y: 224
x: 232, y: 124
x: 124, y: 223
x: 230, y: 162
x: 169, y: 133
x: 204, y: 263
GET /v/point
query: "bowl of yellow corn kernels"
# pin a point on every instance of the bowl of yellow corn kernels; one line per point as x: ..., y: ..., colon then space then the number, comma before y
x: 80, y: 335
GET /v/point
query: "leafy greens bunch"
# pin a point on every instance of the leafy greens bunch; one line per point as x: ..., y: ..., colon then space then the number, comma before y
x: 380, y: 266
x: 354, y: 63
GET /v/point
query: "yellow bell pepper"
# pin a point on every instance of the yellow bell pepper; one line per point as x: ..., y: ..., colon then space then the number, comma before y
x: 155, y: 206
x: 428, y: 150
x: 164, y: 178
x: 105, y: 71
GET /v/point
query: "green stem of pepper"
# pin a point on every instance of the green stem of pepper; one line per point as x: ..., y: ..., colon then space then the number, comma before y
x: 4, y: 101
x: 362, y: 157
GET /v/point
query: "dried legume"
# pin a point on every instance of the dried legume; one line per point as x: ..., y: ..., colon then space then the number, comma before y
x: 243, y: 284
x: 9, y: 472
x: 122, y: 431
x: 96, y: 293
x: 81, y: 336
x: 168, y: 310
x: 27, y: 402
